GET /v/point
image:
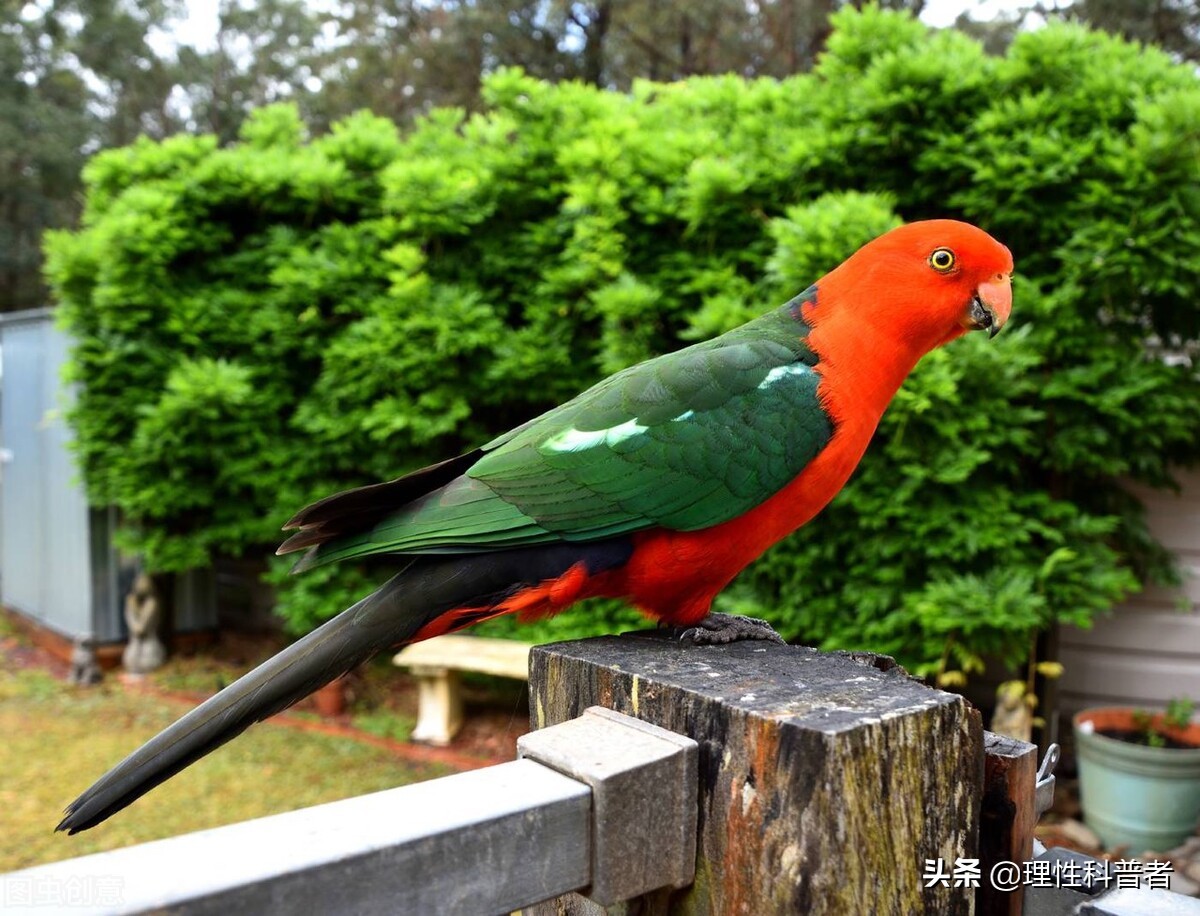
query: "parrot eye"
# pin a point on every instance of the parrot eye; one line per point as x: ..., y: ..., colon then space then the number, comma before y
x: 942, y: 260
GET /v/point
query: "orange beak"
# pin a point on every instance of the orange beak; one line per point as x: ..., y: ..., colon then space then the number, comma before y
x: 991, y: 306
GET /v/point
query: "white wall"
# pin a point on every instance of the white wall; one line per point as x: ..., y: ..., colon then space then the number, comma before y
x: 1148, y: 651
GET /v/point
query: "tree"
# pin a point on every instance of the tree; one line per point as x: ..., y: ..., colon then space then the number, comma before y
x: 43, y: 130
x: 402, y: 57
x: 74, y: 77
x: 1173, y: 25
x: 266, y: 51
x: 621, y: 42
x: 131, y: 84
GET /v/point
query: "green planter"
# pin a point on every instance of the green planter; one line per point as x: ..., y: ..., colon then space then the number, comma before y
x: 1132, y: 795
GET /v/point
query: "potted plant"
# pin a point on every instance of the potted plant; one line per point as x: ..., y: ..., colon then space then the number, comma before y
x: 1139, y: 775
x: 331, y: 699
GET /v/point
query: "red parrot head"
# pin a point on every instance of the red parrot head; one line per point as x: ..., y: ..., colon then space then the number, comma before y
x: 930, y: 282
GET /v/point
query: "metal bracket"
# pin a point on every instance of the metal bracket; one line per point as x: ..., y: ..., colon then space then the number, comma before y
x: 645, y: 784
x: 1043, y: 792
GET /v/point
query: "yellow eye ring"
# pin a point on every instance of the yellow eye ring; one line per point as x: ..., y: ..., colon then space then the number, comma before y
x: 942, y: 260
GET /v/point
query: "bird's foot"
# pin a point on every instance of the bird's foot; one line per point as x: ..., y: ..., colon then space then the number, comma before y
x: 716, y: 629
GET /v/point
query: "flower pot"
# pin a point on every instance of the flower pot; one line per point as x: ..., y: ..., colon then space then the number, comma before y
x: 331, y: 699
x: 1137, y: 796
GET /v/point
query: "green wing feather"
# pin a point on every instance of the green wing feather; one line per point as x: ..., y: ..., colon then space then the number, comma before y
x: 684, y: 441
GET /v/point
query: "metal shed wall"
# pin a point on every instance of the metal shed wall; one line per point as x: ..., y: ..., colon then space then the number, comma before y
x: 45, y: 567
x: 1148, y: 651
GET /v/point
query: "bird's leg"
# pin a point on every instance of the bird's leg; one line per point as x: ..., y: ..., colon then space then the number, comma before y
x: 722, y: 628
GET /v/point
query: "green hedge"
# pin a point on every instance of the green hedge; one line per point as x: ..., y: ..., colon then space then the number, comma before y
x: 259, y: 325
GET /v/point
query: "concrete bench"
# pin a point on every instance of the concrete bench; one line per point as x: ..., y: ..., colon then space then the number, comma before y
x: 436, y: 664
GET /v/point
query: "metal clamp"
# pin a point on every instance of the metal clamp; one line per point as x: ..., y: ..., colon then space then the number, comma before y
x: 644, y: 798
x: 1043, y: 792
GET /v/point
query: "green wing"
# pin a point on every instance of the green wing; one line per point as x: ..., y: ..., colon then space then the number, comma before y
x: 684, y: 441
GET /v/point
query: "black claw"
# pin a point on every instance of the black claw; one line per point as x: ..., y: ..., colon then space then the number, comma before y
x: 717, y: 629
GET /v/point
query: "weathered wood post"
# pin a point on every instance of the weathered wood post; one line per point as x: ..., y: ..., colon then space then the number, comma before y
x: 1007, y: 818
x: 826, y: 780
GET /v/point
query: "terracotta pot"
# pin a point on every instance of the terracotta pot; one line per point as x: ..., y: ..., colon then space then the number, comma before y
x: 1137, y: 796
x: 331, y: 699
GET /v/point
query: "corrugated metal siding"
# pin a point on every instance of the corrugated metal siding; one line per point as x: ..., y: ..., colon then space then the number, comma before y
x: 1148, y: 651
x: 112, y: 577
x: 195, y: 601
x: 45, y: 570
x: 20, y: 510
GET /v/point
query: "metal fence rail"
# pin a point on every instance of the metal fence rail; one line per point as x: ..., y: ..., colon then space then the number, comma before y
x: 483, y: 842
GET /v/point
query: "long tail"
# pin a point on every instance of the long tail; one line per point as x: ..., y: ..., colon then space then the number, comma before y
x: 430, y: 596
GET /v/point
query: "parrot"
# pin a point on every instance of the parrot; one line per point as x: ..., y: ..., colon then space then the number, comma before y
x: 657, y: 485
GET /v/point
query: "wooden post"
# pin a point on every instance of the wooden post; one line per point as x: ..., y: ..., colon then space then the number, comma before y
x: 1007, y: 818
x: 826, y: 780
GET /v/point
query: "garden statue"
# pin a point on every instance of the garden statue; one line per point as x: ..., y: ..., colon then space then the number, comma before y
x: 145, y: 650
x: 1014, y: 711
x: 84, y: 670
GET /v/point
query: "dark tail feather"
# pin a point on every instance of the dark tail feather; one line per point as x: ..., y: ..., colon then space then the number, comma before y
x: 376, y: 623
x: 400, y: 611
x: 356, y: 510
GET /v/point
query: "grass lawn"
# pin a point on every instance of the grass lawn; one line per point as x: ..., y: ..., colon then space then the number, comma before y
x: 58, y: 739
